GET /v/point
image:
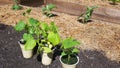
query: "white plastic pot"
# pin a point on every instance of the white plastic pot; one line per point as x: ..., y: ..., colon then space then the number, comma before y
x: 67, y: 65
x: 47, y: 58
x: 26, y: 53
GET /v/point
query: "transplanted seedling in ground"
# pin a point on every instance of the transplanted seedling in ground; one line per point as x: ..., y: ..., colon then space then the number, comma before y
x: 85, y: 17
x: 16, y: 6
x: 47, y: 10
x: 114, y: 1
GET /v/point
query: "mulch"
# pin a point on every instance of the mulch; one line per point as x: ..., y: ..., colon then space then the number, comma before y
x: 11, y: 56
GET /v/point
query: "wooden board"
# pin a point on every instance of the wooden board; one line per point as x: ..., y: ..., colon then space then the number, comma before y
x: 2, y: 2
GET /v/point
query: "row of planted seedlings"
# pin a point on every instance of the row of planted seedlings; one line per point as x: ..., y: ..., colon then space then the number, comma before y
x: 82, y: 18
x: 47, y: 40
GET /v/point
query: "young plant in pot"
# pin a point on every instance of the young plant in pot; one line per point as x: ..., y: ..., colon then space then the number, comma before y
x: 49, y: 40
x: 16, y: 6
x: 69, y: 58
x: 30, y: 37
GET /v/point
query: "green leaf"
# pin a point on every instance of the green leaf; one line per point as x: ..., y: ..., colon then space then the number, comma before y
x: 47, y: 49
x: 63, y: 53
x: 20, y: 26
x: 31, y: 30
x: 27, y: 36
x: 33, y: 22
x: 53, y: 27
x: 80, y: 16
x: 44, y: 34
x: 54, y: 38
x: 30, y: 44
x: 49, y: 14
x: 69, y: 43
x: 75, y: 50
x: 50, y: 7
x: 43, y: 9
x: 16, y: 7
x: 44, y: 26
x: 28, y: 11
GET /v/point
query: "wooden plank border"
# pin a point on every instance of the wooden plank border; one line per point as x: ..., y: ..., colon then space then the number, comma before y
x: 105, y: 14
x: 2, y: 2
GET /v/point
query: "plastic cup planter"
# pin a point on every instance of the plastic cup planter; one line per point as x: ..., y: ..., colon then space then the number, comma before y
x: 47, y: 58
x: 25, y: 53
x: 64, y: 65
x: 69, y: 58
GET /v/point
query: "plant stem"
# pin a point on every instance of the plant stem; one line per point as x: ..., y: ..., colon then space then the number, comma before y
x: 68, y: 59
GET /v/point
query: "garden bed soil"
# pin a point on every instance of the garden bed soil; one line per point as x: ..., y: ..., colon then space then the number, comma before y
x: 95, y: 36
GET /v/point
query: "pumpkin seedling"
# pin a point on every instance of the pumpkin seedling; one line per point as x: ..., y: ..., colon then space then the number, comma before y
x: 69, y: 53
x: 49, y: 38
x: 47, y: 10
x: 85, y: 17
x: 16, y: 6
x: 32, y: 31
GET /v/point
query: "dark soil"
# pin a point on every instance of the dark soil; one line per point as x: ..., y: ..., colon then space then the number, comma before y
x: 11, y: 57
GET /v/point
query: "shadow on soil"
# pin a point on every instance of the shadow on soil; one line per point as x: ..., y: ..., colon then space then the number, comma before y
x: 11, y: 57
x: 33, y: 3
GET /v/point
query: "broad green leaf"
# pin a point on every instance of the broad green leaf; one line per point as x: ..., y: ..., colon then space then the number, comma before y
x: 20, y: 26
x: 27, y: 36
x: 54, y: 38
x: 33, y: 22
x: 53, y: 27
x: 69, y: 42
x: 44, y: 26
x: 50, y: 7
x: 30, y: 44
x: 31, y: 30
x: 47, y: 49
x: 75, y: 50
x: 16, y: 7
x: 44, y: 33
